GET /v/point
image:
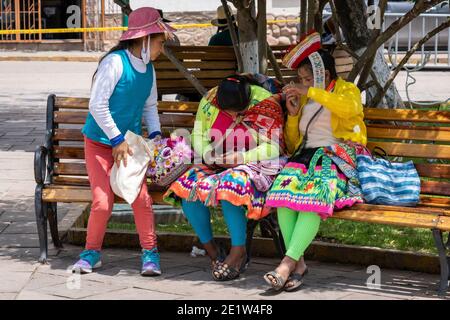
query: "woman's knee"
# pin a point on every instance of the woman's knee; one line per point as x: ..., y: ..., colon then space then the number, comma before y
x: 102, y: 206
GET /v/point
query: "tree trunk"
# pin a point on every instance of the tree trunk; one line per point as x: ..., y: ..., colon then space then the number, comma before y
x: 353, y: 21
x: 262, y: 36
x: 248, y: 37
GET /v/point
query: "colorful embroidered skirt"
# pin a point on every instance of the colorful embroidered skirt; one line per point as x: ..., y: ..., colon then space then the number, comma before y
x: 319, y: 188
x: 209, y: 186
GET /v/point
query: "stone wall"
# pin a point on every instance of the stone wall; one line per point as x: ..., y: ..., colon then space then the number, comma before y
x: 281, y: 33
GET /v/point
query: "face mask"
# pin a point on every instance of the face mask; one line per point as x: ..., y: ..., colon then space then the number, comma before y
x: 145, y: 52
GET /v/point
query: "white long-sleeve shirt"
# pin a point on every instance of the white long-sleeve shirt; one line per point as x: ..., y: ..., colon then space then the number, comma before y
x: 108, y: 75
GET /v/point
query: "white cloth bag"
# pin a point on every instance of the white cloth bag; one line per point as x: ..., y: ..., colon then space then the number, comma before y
x: 126, y: 181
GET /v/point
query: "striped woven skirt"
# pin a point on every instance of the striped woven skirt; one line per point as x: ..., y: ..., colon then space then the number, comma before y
x: 210, y: 186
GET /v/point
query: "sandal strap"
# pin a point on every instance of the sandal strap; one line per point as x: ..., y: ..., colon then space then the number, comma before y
x: 280, y: 281
x: 226, y: 273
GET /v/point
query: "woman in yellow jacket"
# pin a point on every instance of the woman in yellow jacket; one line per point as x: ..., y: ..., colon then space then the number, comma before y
x: 324, y: 131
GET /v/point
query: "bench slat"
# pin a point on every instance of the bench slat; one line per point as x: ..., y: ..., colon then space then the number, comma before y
x: 417, y: 133
x: 176, y: 120
x: 203, y: 74
x: 71, y: 169
x: 435, y: 201
x: 202, y: 65
x: 441, y: 171
x: 68, y: 152
x: 185, y: 84
x: 79, y: 117
x: 177, y: 106
x: 407, y: 115
x: 71, y: 181
x: 441, y: 188
x: 85, y: 195
x: 413, y: 150
x: 76, y: 135
x: 201, y: 55
x: 72, y: 117
x: 397, y: 218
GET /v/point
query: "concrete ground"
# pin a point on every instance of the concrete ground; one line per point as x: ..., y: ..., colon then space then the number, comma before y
x: 185, y: 277
x: 24, y: 87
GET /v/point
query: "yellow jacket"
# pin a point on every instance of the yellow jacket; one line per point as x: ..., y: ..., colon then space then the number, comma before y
x: 347, y: 117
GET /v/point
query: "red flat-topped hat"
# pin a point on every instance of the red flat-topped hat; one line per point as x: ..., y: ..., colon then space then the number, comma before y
x: 309, y: 43
x: 145, y: 21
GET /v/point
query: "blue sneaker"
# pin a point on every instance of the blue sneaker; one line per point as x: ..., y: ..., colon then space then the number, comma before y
x: 89, y: 260
x: 150, y: 262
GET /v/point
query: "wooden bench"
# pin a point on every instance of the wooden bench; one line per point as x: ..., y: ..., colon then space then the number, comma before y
x: 60, y: 170
x: 211, y: 64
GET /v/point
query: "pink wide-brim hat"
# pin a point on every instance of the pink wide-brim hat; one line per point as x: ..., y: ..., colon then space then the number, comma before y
x: 145, y: 21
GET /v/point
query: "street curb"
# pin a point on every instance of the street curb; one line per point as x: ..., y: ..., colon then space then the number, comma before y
x: 50, y: 59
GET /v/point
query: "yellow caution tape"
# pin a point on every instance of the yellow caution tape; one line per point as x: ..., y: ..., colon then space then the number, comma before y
x: 104, y: 29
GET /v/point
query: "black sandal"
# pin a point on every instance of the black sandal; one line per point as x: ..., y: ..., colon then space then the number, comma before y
x: 224, y: 272
x: 296, y: 279
x: 280, y: 282
x: 220, y: 258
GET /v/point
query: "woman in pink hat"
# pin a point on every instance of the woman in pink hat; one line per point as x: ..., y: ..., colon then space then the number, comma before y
x: 123, y: 92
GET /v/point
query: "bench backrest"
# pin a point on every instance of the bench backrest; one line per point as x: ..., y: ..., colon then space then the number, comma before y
x: 422, y: 136
x: 210, y: 64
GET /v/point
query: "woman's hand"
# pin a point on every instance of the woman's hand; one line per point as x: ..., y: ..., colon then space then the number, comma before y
x: 121, y: 152
x: 293, y: 95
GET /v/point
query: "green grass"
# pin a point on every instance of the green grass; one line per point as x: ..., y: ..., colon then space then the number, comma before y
x: 334, y: 231
x: 377, y: 235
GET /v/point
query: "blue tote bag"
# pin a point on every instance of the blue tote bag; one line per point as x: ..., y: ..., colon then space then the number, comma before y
x: 388, y: 183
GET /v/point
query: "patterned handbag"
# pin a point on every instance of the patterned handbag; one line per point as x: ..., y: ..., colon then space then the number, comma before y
x: 319, y: 185
x: 172, y: 157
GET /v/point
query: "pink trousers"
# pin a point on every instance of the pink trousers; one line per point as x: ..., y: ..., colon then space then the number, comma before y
x: 99, y: 161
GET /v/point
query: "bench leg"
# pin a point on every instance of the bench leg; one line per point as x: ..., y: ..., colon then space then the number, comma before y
x: 270, y: 224
x: 52, y: 213
x: 41, y: 222
x: 251, y: 226
x: 444, y: 261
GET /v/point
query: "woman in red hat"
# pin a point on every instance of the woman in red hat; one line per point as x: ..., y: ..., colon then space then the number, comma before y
x: 123, y: 92
x: 324, y: 131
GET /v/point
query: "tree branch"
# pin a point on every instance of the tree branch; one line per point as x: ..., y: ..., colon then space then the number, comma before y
x: 233, y: 35
x: 312, y: 6
x: 126, y: 9
x: 274, y: 63
x: 261, y: 19
x: 376, y: 32
x: 419, y: 7
x: 376, y: 100
x: 303, y: 13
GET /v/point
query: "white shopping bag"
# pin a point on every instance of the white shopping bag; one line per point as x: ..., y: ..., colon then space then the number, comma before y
x: 126, y: 181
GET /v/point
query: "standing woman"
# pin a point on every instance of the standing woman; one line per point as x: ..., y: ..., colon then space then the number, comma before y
x: 123, y: 92
x: 324, y: 132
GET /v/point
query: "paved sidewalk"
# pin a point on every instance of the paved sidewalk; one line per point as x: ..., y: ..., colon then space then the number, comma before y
x: 185, y: 277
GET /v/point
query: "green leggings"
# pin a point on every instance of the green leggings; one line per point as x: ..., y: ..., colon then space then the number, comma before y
x: 299, y: 230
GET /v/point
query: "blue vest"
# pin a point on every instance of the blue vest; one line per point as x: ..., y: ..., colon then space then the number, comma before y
x: 126, y: 103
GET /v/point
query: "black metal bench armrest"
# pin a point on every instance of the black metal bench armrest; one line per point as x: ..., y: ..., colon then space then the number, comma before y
x: 40, y: 165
